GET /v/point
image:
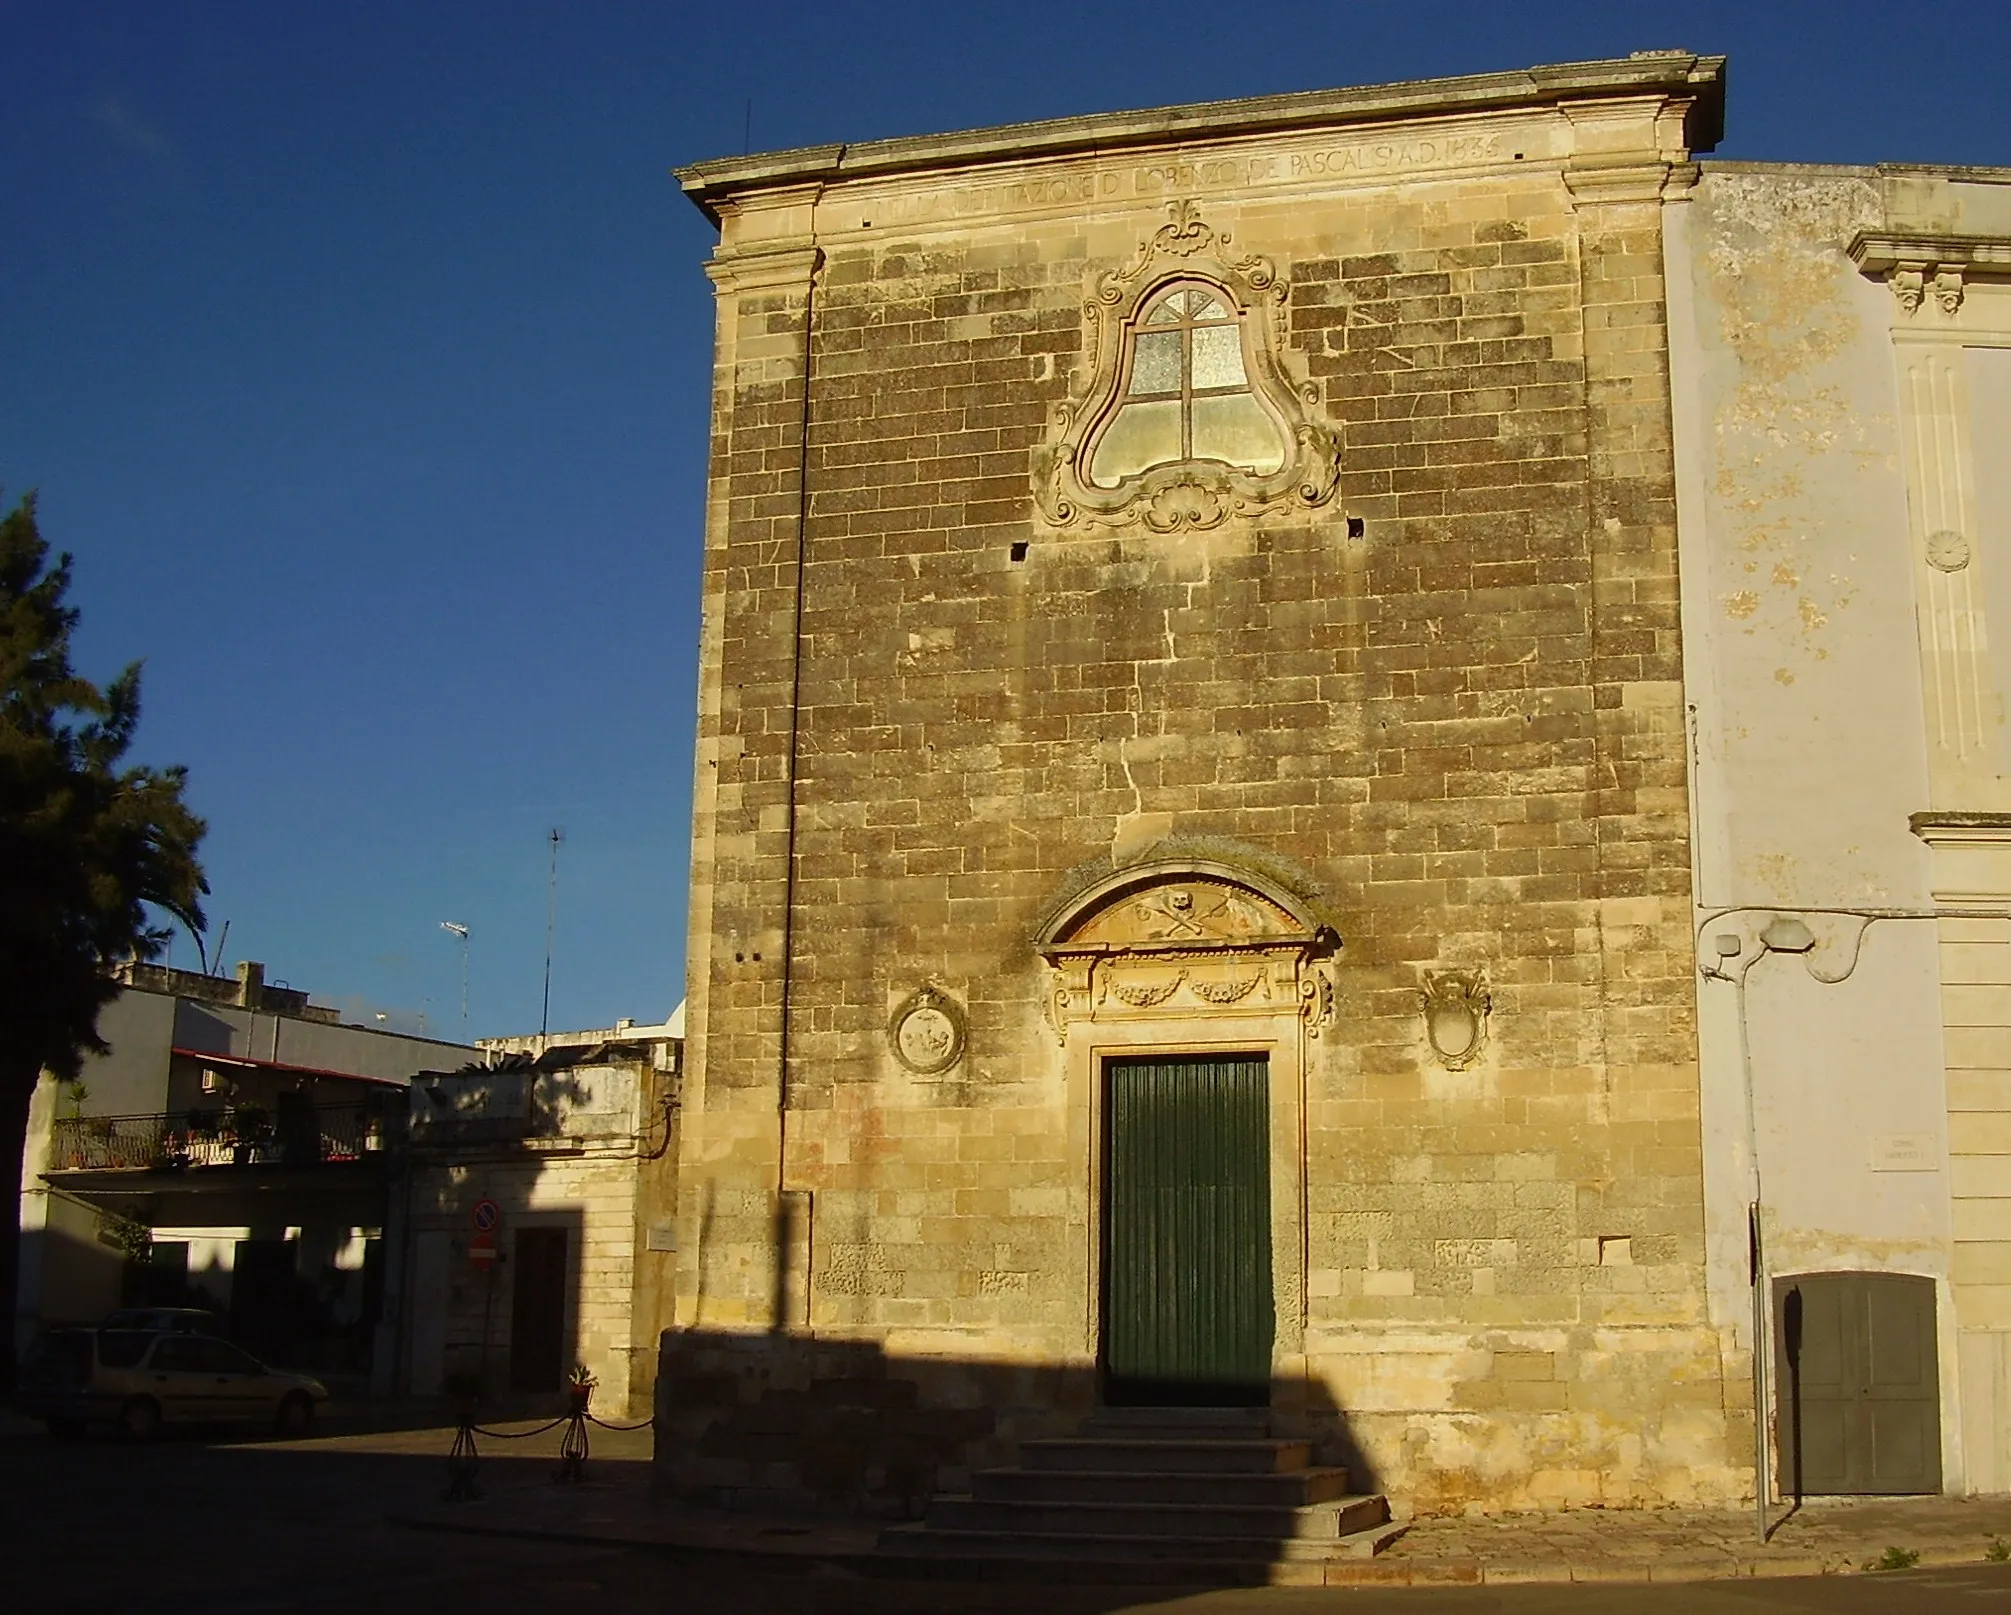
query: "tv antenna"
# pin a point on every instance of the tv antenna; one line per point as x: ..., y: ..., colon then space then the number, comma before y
x: 460, y: 933
x: 557, y: 839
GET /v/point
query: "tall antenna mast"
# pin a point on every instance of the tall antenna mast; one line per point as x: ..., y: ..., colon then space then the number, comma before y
x: 557, y: 839
x: 460, y: 932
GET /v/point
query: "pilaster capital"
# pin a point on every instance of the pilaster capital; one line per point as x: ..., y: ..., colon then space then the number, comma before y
x: 1597, y: 182
x: 787, y: 269
x: 1915, y: 264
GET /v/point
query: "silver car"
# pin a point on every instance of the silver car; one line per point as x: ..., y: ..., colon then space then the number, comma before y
x: 139, y: 1380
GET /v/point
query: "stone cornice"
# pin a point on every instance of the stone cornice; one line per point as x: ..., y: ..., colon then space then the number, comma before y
x: 1920, y: 263
x: 1698, y: 80
x: 1971, y: 866
x: 1961, y: 829
x: 1877, y: 253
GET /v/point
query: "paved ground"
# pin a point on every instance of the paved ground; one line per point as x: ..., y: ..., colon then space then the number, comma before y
x: 1819, y: 1538
x: 208, y: 1526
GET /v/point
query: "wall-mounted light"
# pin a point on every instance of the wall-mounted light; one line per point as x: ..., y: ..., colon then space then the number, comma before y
x: 1786, y: 934
x: 1456, y: 1005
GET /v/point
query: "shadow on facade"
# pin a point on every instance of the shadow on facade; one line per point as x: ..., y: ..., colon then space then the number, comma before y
x: 283, y: 1271
x: 790, y: 1423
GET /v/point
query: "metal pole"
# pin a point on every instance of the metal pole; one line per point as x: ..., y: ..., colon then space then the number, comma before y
x: 551, y: 921
x: 459, y: 932
x: 1761, y: 1312
x: 1755, y: 1255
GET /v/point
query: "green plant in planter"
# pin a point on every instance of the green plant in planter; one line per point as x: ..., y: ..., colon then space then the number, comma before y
x: 131, y: 1238
x: 580, y: 1385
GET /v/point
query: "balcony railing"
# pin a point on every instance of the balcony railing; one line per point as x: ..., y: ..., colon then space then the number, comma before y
x: 166, y: 1143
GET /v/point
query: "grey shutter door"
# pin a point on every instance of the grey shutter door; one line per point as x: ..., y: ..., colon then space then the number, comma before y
x: 1858, y: 1388
x: 1187, y: 1270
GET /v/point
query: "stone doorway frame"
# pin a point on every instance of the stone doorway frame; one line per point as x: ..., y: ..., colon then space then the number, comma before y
x: 1191, y: 956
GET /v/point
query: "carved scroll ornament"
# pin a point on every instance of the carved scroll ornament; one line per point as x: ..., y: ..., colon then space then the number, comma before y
x: 1456, y: 1005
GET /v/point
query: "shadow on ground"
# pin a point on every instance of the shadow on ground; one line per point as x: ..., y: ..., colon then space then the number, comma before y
x: 212, y: 1523
x: 780, y: 1421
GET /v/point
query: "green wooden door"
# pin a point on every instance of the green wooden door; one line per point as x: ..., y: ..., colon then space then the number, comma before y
x: 1187, y: 1316
x: 1857, y: 1390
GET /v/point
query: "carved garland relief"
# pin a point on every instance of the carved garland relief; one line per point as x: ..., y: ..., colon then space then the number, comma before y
x: 1188, y: 945
x: 1188, y: 418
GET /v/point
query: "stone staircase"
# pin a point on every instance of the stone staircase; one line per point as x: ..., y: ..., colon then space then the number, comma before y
x: 1199, y: 1495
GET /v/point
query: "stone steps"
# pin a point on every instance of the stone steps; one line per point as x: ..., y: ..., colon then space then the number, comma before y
x: 1174, y: 1494
x: 1271, y: 1489
x: 1181, y: 1527
x: 921, y: 1552
x: 1188, y: 1454
x: 1223, y: 1423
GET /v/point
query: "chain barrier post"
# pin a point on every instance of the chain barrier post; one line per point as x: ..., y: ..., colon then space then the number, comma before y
x: 461, y: 1458
x: 573, y: 1447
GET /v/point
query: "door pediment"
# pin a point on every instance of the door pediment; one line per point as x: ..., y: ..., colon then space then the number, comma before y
x: 1186, y: 940
x: 1186, y: 903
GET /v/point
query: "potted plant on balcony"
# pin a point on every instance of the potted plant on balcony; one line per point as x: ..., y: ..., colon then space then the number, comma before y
x: 204, y: 1128
x: 247, y: 1128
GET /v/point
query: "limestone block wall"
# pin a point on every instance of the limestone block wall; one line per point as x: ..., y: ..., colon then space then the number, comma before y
x: 1443, y: 702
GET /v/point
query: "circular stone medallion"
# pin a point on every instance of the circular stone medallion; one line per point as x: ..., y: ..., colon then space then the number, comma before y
x: 927, y: 1032
x: 1947, y: 550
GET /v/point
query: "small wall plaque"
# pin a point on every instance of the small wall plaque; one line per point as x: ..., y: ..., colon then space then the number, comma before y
x: 1905, y: 1152
x: 927, y: 1031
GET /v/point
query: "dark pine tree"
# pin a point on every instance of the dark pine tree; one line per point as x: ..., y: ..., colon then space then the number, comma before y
x: 93, y: 855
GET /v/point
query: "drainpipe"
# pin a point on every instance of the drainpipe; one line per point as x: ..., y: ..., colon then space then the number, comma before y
x: 792, y: 1209
x: 1781, y: 934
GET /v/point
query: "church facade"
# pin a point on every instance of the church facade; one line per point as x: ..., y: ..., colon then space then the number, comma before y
x: 1192, y: 881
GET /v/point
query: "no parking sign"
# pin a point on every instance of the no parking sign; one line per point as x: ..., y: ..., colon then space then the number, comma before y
x: 487, y: 1218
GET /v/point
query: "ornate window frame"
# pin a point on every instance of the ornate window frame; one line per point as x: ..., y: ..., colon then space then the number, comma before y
x: 1191, y: 493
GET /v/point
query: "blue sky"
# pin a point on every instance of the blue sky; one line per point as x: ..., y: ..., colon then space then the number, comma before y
x: 360, y: 350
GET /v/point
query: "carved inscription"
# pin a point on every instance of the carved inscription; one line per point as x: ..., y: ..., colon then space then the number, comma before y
x: 1398, y: 156
x: 1175, y: 176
